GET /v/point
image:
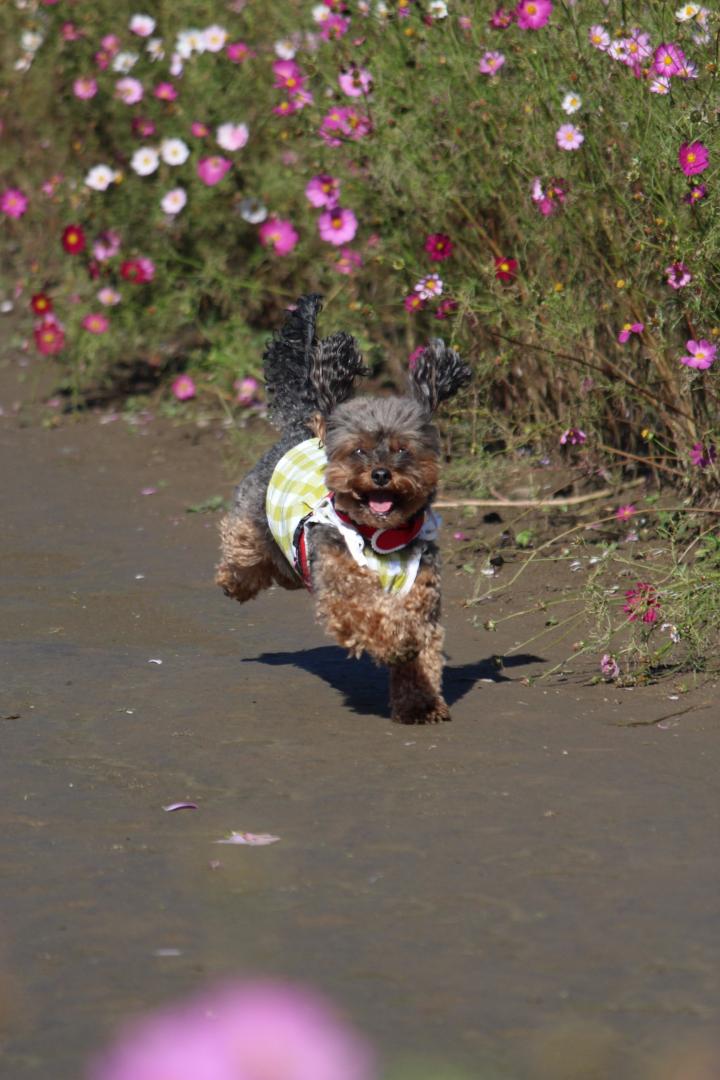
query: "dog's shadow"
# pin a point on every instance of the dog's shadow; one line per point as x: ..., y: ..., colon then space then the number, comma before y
x: 365, y: 686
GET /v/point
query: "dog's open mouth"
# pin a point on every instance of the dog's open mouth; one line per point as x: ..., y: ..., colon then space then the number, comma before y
x: 380, y: 504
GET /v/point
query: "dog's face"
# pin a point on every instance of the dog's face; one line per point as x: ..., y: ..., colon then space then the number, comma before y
x: 383, y: 460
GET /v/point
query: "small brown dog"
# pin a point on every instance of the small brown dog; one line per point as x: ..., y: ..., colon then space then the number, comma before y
x: 342, y: 504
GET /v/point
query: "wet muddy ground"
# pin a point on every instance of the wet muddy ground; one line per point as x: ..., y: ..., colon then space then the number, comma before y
x: 529, y: 891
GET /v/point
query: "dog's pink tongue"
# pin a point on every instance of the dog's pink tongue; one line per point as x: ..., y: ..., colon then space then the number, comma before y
x: 380, y: 506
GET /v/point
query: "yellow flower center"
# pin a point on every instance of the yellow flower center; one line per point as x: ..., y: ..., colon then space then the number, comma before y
x: 691, y: 157
x: 531, y: 9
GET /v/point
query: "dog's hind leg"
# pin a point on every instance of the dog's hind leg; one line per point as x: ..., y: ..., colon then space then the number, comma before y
x: 247, y: 566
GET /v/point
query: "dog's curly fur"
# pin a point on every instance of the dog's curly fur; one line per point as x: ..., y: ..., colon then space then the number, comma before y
x: 379, y: 450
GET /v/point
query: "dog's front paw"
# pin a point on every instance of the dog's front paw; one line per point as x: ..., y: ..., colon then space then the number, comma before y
x: 431, y: 712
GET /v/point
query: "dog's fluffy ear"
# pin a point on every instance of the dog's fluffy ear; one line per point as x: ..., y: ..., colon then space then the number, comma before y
x: 337, y: 362
x: 437, y: 374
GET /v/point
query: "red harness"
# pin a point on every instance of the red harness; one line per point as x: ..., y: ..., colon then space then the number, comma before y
x: 382, y: 541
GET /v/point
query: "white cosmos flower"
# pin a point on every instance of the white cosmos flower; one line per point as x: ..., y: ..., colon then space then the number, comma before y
x: 232, y: 136
x: 571, y: 103
x: 321, y: 12
x: 155, y: 48
x: 215, y: 37
x: 438, y: 9
x: 145, y: 161
x: 687, y: 12
x: 100, y: 177
x: 31, y: 41
x: 173, y: 201
x: 253, y: 210
x: 174, y: 151
x: 190, y: 41
x: 285, y: 49
x: 23, y: 63
x: 142, y: 25
x: 124, y: 62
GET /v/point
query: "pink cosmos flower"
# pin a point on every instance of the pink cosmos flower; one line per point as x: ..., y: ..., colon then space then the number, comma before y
x: 334, y: 27
x: 70, y: 32
x: 429, y: 286
x: 85, y: 88
x: 110, y: 43
x: 337, y: 226
x: 446, y: 308
x: 323, y: 190
x: 668, y: 59
x: 702, y: 456
x: 346, y: 122
x: 129, y: 90
x: 107, y: 245
x: 109, y: 297
x: 696, y: 193
x: 211, y: 170
x: 532, y: 14
x: 237, y: 51
x: 624, y: 513
x: 278, y: 234
x: 102, y: 59
x: 286, y: 108
x: 247, y: 390
x: 490, y: 63
x: 142, y: 25
x: 569, y: 137
x: 694, y: 158
x: 240, y: 1031
x: 288, y: 76
x: 413, y: 302
x: 183, y: 388
x: 143, y: 126
x: 13, y: 202
x: 165, y: 91
x: 573, y: 437
x: 642, y: 602
x: 96, y: 323
x: 678, y: 275
x: 599, y: 37
x: 628, y: 329
x: 199, y: 130
x: 660, y: 85
x: 609, y: 667
x: 357, y: 82
x: 348, y: 261
x: 702, y: 354
x: 438, y: 246
x: 549, y: 199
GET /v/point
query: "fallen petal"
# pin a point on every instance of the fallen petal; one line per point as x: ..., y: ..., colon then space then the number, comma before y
x: 252, y: 839
x: 180, y: 806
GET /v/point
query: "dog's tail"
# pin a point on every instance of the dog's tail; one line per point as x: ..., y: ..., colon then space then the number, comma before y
x: 306, y: 378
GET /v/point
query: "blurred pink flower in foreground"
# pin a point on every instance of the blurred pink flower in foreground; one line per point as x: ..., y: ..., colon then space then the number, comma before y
x: 244, y: 1031
x: 212, y: 169
x: 183, y: 388
x: 278, y: 234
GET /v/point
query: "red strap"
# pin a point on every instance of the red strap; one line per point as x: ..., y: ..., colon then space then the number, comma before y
x: 383, y: 541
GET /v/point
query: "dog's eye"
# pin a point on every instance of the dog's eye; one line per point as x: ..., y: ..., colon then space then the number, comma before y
x: 360, y: 452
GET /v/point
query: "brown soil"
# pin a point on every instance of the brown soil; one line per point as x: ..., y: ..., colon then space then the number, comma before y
x: 528, y: 891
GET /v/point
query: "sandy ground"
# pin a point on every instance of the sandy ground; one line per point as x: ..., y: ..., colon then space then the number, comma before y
x: 528, y: 891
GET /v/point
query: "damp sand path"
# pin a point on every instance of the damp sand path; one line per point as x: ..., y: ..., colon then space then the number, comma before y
x: 547, y: 863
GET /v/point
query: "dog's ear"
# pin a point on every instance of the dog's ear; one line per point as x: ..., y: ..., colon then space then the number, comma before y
x: 337, y: 362
x: 437, y: 374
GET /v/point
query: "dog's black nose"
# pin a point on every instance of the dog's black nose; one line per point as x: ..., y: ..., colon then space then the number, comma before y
x: 381, y: 477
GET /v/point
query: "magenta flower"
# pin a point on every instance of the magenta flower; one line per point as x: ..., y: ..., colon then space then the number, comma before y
x: 413, y: 302
x: 143, y: 126
x: 107, y: 245
x: 247, y: 391
x: 599, y: 37
x: 343, y: 123
x: 129, y: 90
x: 624, y: 513
x: 237, y: 51
x: 696, y: 193
x: 357, y: 82
x: 183, y: 388
x: 573, y: 437
x: 501, y: 18
x: 212, y: 169
x: 551, y: 198
x: 13, y: 202
x: 165, y: 91
x: 702, y: 355
x: 323, y: 190
x: 569, y: 137
x: 334, y: 27
x: 415, y: 356
x: 532, y: 14
x: 702, y: 456
x: 678, y: 275
x: 642, y: 602
x: 446, y: 308
x: 669, y: 59
x: 278, y: 234
x: 96, y: 323
x: 439, y: 247
x: 288, y: 76
x: 694, y: 158
x: 490, y: 63
x: 628, y: 329
x: 85, y: 88
x: 337, y: 226
x: 199, y: 130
